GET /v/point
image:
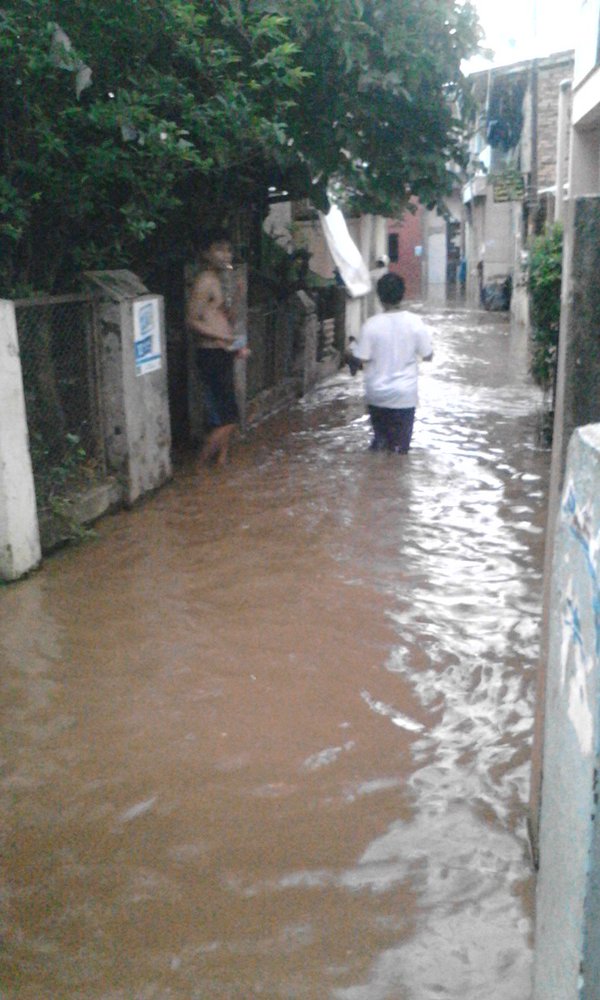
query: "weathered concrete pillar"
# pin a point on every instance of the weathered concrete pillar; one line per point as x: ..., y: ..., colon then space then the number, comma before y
x: 436, y: 261
x: 19, y: 535
x: 567, y: 950
x: 306, y: 339
x: 134, y: 386
x: 577, y: 404
x: 564, y: 98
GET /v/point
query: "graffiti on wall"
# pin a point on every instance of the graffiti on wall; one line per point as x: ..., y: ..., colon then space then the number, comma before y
x: 578, y: 654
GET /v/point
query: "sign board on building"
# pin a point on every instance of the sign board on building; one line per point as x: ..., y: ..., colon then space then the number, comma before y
x: 146, y: 336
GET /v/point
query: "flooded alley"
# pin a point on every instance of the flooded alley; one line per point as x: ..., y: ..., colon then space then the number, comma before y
x: 268, y: 734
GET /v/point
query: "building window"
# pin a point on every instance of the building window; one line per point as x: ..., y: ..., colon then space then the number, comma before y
x: 393, y: 247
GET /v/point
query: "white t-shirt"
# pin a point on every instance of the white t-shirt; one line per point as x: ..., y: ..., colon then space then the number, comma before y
x: 392, y: 343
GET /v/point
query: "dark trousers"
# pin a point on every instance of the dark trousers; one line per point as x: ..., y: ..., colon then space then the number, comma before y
x: 215, y: 368
x: 392, y: 429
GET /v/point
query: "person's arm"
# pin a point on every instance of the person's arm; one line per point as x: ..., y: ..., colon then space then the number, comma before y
x: 349, y: 359
x: 217, y: 327
x: 361, y: 348
x: 425, y: 344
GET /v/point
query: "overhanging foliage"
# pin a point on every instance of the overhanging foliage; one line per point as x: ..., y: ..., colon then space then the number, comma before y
x: 126, y: 125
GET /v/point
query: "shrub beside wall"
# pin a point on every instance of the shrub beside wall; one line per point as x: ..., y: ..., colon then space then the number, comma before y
x: 545, y: 272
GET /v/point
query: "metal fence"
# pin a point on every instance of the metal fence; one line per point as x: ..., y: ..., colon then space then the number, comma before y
x: 274, y: 335
x: 58, y: 349
x: 271, y: 342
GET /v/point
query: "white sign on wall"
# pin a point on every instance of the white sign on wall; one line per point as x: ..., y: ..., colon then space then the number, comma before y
x: 146, y: 336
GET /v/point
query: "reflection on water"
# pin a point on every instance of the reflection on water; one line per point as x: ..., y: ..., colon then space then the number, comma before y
x: 269, y: 734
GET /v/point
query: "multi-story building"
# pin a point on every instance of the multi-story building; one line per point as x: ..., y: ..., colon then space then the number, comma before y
x: 518, y: 156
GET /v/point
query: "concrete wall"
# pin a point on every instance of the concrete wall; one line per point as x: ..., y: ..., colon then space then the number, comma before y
x: 278, y: 224
x: 437, y: 259
x: 578, y: 394
x: 585, y: 170
x: 586, y: 48
x: 19, y: 534
x: 577, y: 403
x: 499, y: 237
x: 565, y: 766
x: 567, y: 952
x: 491, y: 234
x: 584, y: 176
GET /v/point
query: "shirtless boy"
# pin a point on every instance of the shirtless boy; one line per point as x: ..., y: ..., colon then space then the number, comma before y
x: 211, y: 314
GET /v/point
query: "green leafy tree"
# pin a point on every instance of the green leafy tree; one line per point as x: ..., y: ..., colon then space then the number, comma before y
x: 126, y: 125
x: 382, y: 116
x: 175, y: 100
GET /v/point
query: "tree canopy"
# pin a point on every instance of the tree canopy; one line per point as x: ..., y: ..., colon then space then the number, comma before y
x: 127, y: 124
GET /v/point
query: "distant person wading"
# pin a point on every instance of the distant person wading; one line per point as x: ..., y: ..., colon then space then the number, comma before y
x: 389, y: 348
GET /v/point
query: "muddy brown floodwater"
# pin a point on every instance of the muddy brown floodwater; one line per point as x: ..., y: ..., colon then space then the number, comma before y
x: 268, y: 734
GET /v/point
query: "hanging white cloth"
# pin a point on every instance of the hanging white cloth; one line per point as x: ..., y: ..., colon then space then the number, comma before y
x: 346, y: 255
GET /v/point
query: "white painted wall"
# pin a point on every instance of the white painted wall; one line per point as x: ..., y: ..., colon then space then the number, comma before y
x: 436, y: 266
x: 567, y: 965
x: 585, y: 140
x: 586, y: 38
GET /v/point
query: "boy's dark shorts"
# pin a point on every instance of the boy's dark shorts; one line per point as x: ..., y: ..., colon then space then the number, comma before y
x: 215, y: 368
x: 392, y: 429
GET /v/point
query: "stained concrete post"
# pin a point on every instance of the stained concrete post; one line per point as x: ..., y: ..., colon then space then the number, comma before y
x: 564, y: 96
x: 19, y: 535
x: 567, y: 951
x: 133, y: 364
x: 307, y: 335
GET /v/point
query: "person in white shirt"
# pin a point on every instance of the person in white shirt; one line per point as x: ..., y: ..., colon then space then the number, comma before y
x: 390, y: 346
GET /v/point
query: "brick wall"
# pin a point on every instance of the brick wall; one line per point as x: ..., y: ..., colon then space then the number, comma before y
x: 551, y: 72
x: 410, y: 235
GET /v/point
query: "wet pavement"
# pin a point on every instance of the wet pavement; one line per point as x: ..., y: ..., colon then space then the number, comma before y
x: 268, y: 734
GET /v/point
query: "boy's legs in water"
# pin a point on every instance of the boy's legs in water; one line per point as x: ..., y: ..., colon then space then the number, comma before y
x: 216, y: 446
x: 379, y: 442
x: 392, y: 429
x: 216, y: 374
x: 400, y: 430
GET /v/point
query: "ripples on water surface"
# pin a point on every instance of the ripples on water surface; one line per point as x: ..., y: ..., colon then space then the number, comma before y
x: 269, y: 734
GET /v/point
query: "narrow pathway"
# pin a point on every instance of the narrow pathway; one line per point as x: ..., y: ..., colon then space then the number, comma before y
x: 268, y: 735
